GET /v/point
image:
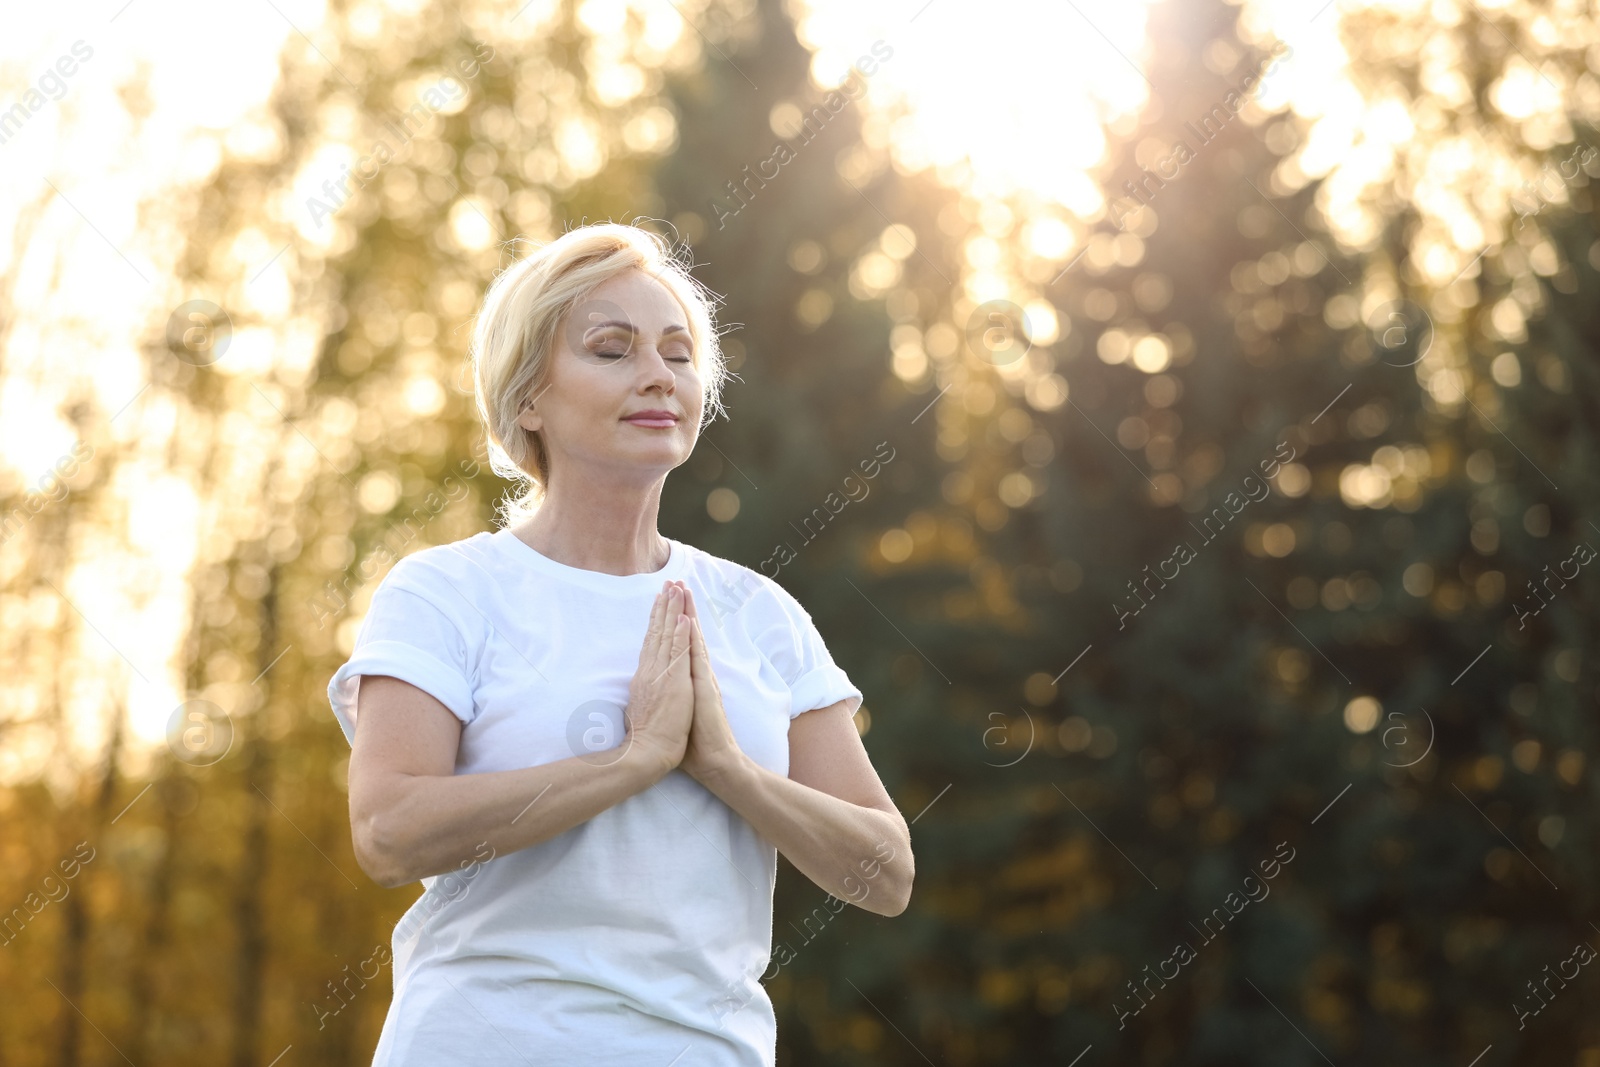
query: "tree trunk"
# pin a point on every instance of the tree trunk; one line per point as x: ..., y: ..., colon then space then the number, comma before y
x: 149, y: 977
x: 252, y: 872
x: 75, y: 940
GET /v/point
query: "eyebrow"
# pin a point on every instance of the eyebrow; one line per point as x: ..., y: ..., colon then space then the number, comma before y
x: 629, y: 327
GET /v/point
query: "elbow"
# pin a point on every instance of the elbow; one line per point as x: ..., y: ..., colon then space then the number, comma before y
x: 891, y: 895
x: 893, y: 874
x: 904, y: 869
x: 387, y: 877
x: 890, y: 903
x: 376, y: 855
x: 900, y: 898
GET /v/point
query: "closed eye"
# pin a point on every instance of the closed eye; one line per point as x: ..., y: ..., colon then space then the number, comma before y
x: 620, y: 355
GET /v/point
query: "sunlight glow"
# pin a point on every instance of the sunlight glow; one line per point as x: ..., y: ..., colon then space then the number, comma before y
x: 991, y: 110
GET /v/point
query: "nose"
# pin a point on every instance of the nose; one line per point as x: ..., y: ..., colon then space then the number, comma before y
x: 655, y: 374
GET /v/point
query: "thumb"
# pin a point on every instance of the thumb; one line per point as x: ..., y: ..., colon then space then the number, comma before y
x: 697, y: 663
x: 702, y: 658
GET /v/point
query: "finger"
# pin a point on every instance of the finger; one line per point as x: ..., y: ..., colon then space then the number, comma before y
x: 697, y: 642
x: 703, y: 655
x: 698, y: 637
x: 661, y: 637
x: 650, y: 651
x: 666, y: 639
x: 680, y: 643
x: 697, y: 650
x: 700, y: 630
x: 679, y: 663
x: 652, y: 633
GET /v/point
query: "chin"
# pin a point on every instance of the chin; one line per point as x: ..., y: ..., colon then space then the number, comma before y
x: 662, y: 456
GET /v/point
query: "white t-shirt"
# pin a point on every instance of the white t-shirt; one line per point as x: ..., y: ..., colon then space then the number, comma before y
x: 639, y: 935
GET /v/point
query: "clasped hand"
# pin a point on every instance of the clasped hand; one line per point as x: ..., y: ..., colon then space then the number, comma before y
x: 674, y: 703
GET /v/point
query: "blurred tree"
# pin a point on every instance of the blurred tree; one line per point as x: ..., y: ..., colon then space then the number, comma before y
x: 1228, y: 696
x: 1099, y: 736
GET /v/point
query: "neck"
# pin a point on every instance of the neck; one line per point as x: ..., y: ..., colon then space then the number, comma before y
x: 596, y: 524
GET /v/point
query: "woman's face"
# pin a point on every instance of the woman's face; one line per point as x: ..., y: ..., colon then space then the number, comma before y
x: 622, y: 355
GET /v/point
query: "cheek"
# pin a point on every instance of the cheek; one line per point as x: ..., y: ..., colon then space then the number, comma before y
x: 691, y: 389
x: 584, y: 405
x: 600, y: 390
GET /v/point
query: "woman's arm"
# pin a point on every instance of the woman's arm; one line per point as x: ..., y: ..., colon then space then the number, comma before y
x: 831, y: 817
x: 412, y: 816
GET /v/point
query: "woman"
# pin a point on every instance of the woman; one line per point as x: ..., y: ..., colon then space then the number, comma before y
x: 542, y: 715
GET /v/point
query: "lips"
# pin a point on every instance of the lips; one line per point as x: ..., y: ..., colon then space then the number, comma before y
x: 654, y: 419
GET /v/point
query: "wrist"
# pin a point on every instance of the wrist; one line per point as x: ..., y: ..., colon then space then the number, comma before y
x: 732, y: 765
x: 647, y: 762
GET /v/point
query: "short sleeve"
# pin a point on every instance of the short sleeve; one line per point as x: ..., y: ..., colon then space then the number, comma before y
x: 408, y: 636
x: 801, y: 657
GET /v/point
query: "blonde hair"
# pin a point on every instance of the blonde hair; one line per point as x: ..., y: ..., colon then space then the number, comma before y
x: 515, y: 335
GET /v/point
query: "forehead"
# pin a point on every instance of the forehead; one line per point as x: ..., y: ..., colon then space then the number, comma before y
x: 646, y: 302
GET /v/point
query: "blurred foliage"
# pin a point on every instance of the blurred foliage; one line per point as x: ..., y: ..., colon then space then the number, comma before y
x: 1089, y: 781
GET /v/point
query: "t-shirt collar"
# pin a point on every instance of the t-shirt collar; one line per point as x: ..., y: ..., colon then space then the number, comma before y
x: 522, y: 554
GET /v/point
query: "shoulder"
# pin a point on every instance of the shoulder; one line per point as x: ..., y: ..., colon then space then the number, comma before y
x: 449, y: 576
x: 449, y: 560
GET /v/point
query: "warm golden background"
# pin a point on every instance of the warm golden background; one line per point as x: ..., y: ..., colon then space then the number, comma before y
x: 227, y: 400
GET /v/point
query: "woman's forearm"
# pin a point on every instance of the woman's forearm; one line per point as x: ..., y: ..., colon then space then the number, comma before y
x: 859, y: 854
x: 432, y: 824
